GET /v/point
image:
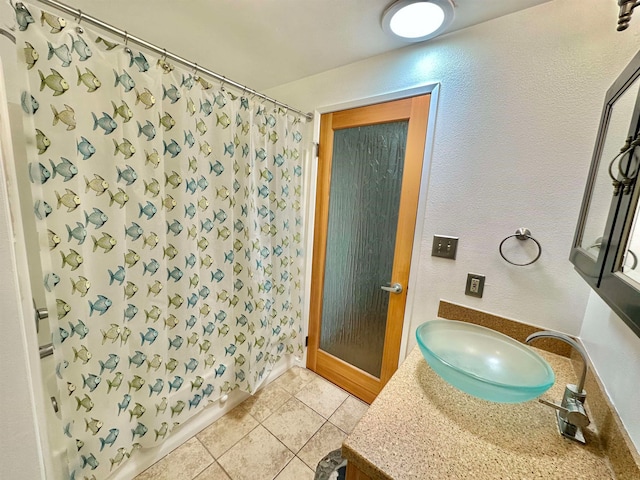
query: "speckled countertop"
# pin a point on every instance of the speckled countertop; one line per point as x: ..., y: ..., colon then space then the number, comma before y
x: 420, y: 427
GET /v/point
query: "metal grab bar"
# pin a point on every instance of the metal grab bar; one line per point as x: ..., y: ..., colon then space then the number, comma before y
x: 42, y: 314
x: 46, y: 350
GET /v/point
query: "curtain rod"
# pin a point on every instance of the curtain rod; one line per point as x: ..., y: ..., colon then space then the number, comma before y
x: 166, y: 54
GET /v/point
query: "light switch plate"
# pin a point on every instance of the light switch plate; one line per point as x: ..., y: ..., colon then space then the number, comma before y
x: 444, y: 246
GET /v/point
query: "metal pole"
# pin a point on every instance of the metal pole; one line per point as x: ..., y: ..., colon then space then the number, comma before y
x: 166, y: 54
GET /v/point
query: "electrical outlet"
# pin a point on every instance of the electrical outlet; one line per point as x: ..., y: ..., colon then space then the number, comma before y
x: 475, y: 285
x: 444, y: 246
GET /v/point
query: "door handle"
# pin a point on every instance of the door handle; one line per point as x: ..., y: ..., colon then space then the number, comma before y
x: 394, y: 288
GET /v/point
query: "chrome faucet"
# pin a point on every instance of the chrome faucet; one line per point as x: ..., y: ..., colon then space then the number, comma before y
x: 570, y: 414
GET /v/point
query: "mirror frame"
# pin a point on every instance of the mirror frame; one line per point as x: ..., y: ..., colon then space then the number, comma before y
x: 602, y: 273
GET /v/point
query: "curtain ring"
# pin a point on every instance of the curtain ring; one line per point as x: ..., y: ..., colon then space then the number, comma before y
x: 165, y: 65
x: 195, y: 72
x: 126, y: 41
x: 79, y: 29
x: 162, y: 62
x: 222, y: 82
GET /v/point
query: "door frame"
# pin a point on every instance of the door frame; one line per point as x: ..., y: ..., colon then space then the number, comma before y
x: 310, y: 206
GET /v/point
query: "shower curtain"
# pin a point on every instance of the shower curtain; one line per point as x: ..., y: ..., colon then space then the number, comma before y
x: 170, y: 220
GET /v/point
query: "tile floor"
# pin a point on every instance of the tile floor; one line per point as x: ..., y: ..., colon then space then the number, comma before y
x: 280, y: 433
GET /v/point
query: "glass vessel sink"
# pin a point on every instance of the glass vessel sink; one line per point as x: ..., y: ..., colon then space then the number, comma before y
x: 484, y: 363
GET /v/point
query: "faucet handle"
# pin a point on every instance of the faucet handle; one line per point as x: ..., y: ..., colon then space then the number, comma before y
x: 572, y: 413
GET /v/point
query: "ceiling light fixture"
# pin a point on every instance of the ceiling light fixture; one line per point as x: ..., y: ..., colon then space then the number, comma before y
x: 417, y: 20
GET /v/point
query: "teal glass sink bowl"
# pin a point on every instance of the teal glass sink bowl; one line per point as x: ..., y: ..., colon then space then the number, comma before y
x: 484, y: 363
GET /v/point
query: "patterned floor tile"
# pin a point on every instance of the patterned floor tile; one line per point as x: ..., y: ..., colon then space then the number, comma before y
x: 323, y: 396
x: 245, y: 449
x: 349, y: 414
x: 213, y: 472
x: 227, y: 431
x: 266, y: 401
x: 258, y: 456
x: 296, y: 470
x: 294, y: 424
x: 294, y: 379
x: 328, y: 438
x: 184, y: 463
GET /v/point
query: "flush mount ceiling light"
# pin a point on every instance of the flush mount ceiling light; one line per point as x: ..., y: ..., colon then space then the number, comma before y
x: 417, y: 20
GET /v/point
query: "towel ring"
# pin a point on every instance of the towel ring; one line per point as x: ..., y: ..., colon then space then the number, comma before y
x: 634, y: 258
x: 521, y: 234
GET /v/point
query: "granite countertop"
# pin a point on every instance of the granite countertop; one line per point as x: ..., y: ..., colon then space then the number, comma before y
x: 420, y: 427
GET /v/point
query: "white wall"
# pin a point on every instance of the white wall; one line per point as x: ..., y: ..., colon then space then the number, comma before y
x: 615, y: 354
x: 520, y: 102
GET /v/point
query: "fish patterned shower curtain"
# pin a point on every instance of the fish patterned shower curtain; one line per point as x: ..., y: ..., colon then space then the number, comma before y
x: 170, y: 221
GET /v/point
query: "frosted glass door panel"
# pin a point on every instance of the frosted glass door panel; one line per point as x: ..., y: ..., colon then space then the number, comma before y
x: 366, y: 181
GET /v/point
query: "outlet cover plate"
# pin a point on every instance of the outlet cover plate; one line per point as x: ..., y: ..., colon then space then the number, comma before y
x: 444, y: 246
x: 475, y: 285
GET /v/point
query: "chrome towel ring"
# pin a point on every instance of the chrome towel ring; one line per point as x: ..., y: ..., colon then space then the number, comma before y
x: 521, y: 234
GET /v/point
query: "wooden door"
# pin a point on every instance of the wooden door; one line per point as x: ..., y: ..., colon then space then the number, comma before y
x: 354, y: 246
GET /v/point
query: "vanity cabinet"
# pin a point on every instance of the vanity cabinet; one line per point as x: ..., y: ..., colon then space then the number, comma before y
x: 606, y: 246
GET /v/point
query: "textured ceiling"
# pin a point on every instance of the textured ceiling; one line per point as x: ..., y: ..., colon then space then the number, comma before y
x: 266, y: 43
